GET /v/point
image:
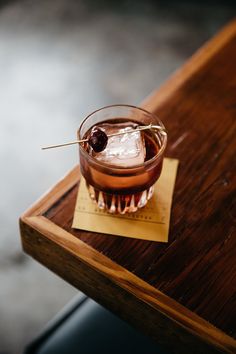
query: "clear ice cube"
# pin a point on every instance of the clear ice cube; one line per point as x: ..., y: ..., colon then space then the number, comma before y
x: 126, y: 150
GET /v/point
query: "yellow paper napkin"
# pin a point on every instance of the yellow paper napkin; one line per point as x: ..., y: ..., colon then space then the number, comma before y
x: 149, y: 223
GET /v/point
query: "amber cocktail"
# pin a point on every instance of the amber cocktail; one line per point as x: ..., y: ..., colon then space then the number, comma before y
x: 121, y: 177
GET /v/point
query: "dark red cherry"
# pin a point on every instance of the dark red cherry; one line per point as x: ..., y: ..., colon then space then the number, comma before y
x: 98, y: 140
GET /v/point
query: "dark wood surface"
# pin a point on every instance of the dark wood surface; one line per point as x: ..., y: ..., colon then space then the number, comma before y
x: 197, y: 267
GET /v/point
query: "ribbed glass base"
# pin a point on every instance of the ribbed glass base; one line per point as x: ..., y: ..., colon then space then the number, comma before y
x: 120, y: 204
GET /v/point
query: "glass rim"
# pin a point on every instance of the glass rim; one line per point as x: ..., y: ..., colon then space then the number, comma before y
x: 115, y: 167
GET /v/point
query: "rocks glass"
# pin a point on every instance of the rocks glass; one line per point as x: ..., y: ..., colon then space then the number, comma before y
x: 121, y: 178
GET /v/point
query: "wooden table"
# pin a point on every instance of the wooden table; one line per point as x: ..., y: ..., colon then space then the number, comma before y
x: 183, y: 293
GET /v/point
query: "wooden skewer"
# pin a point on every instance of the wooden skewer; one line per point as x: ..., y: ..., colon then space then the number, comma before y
x: 150, y: 126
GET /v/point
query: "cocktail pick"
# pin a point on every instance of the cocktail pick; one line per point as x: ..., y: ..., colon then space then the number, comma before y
x: 93, y: 139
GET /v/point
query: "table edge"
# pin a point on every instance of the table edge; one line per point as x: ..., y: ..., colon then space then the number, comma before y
x: 129, y: 281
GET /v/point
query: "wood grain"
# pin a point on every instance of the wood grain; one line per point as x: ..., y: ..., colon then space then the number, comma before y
x: 126, y: 295
x: 192, y: 279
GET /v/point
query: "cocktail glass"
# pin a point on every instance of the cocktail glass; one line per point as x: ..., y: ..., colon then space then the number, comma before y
x: 122, y: 188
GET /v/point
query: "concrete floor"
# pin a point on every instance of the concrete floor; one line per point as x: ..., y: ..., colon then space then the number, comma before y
x: 59, y: 61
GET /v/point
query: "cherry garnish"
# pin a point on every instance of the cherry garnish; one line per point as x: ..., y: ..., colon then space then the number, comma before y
x: 98, y: 140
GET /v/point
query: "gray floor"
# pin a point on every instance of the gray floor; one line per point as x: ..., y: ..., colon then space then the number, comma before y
x: 59, y: 61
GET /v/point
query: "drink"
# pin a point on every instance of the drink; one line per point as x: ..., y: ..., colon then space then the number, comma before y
x: 120, y: 178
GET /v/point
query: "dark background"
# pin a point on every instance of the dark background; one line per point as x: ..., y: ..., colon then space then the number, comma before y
x: 60, y: 60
